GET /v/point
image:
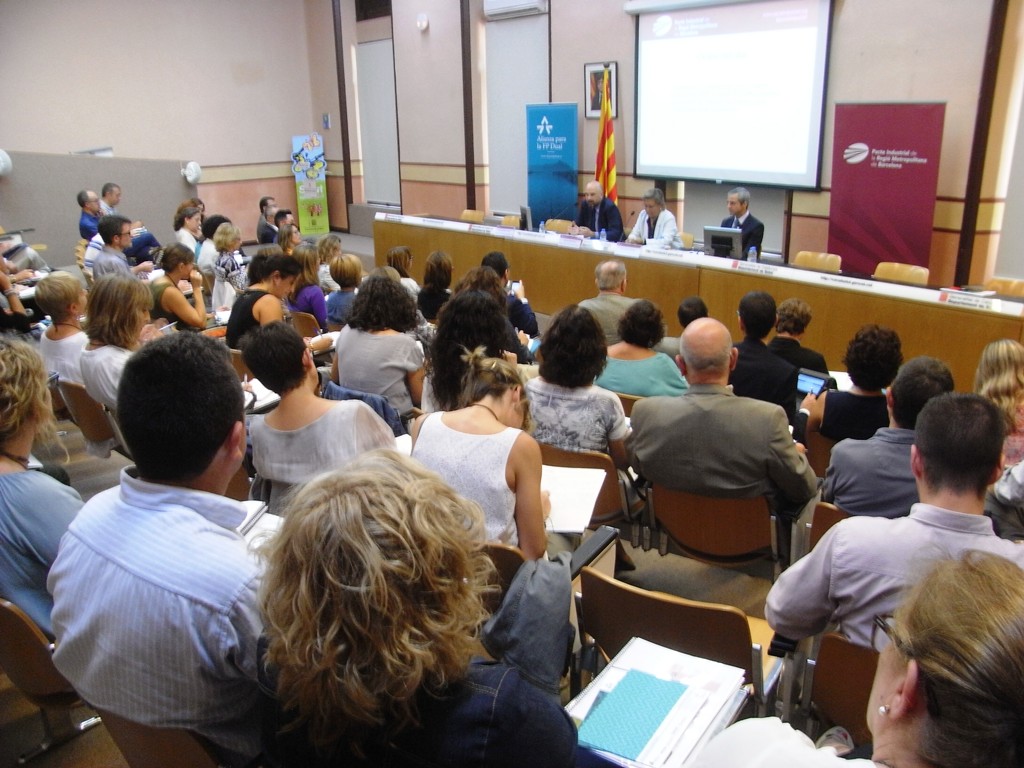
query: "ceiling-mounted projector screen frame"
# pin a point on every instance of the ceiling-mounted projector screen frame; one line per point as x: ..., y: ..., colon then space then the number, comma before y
x: 732, y: 91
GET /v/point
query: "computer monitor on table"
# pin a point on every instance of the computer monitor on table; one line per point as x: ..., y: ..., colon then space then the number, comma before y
x: 525, y: 218
x: 723, y: 241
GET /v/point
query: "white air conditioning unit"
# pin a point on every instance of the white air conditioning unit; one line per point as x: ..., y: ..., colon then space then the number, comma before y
x: 495, y: 10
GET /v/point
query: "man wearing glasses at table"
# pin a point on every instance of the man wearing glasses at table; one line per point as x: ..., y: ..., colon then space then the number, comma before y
x: 861, y: 566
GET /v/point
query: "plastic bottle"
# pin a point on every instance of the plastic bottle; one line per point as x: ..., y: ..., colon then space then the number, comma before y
x: 542, y: 229
x: 604, y: 235
x: 752, y: 254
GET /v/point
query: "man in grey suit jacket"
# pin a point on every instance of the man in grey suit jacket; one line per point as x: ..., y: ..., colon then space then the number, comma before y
x: 712, y: 442
x: 611, y: 302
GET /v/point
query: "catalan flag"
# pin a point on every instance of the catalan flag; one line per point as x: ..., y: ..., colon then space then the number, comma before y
x: 606, y: 143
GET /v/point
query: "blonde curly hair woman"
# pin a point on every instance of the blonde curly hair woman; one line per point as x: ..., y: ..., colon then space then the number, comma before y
x: 373, y: 599
x: 1000, y: 378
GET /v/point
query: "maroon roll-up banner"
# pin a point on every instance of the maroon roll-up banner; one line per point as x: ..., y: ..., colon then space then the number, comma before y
x: 885, y: 170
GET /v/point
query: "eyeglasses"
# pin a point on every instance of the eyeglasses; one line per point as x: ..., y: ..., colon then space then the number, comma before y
x: 883, y: 632
x: 126, y: 234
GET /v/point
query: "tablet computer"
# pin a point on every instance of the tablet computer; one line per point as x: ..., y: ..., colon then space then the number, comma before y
x: 810, y: 382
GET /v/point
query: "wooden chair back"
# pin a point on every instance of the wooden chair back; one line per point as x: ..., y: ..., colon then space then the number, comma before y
x: 898, y: 272
x: 26, y: 656
x: 825, y: 516
x: 476, y: 217
x: 85, y: 412
x: 115, y: 427
x: 610, y: 501
x: 713, y: 529
x: 146, y: 746
x: 819, y: 451
x: 628, y: 401
x: 1005, y: 286
x: 560, y: 226
x: 507, y: 560
x: 687, y: 240
x: 239, y: 365
x: 305, y: 324
x: 614, y: 612
x: 843, y: 674
x: 510, y: 220
x: 822, y: 262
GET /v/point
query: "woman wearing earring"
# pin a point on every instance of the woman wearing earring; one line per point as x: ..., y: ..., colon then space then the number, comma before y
x: 169, y: 303
x: 468, y: 446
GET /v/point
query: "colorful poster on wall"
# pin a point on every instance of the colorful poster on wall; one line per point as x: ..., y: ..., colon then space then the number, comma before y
x: 885, y: 171
x: 310, y: 169
x: 552, y: 161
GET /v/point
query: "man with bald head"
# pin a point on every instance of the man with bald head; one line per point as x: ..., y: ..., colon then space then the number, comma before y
x: 711, y: 442
x: 597, y: 212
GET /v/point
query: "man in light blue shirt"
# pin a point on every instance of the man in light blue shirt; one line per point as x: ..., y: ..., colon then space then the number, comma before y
x: 155, y: 608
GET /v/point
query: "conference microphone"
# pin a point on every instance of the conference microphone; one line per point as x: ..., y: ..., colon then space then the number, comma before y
x: 561, y: 213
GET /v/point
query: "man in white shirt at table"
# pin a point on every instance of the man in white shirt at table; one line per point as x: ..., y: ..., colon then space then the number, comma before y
x: 155, y: 607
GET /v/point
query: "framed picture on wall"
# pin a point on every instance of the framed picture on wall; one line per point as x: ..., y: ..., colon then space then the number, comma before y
x: 593, y: 79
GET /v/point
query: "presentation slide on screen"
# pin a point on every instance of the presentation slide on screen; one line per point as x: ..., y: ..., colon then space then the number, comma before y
x: 733, y: 92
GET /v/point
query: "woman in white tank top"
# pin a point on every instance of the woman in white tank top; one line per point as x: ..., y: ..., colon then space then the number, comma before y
x: 470, y: 447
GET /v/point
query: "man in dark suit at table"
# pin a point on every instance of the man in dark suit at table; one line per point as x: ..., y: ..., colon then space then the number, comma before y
x: 759, y: 373
x: 740, y: 217
x: 597, y: 213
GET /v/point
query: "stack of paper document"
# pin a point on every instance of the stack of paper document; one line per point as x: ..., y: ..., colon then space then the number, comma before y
x: 653, y: 707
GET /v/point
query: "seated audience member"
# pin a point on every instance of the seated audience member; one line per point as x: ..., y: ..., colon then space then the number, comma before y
x: 655, y: 223
x: 116, y: 232
x: 399, y: 258
x: 471, y: 319
x: 597, y: 214
x: 383, y: 666
x: 794, y: 317
x: 154, y: 591
x: 188, y: 227
x: 568, y: 411
x: 266, y: 232
x: 347, y: 273
x: 229, y: 276
x: 118, y: 312
x: 744, y: 448
x: 861, y: 565
x: 143, y: 242
x: 634, y: 367
x: 169, y: 303
x: 691, y: 308
x: 486, y: 280
x: 872, y: 359
x: 282, y: 217
x: 437, y: 279
x: 466, y: 447
x: 289, y: 238
x: 327, y: 247
x: 306, y: 295
x: 375, y: 352
x: 13, y: 317
x: 424, y: 331
x: 611, y: 300
x: 1000, y: 378
x: 35, y: 509
x: 21, y: 260
x: 305, y: 434
x: 873, y: 476
x: 271, y: 277
x: 948, y: 688
x: 89, y: 220
x: 62, y: 297
x: 207, y: 258
x: 758, y: 373
x: 519, y: 311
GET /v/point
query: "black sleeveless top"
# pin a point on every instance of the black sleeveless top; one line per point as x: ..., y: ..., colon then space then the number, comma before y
x: 242, y: 320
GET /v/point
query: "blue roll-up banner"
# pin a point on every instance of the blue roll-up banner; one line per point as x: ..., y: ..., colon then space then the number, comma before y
x: 552, y: 161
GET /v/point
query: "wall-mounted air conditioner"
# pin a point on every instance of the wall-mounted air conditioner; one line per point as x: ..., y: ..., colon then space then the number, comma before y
x: 495, y: 10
